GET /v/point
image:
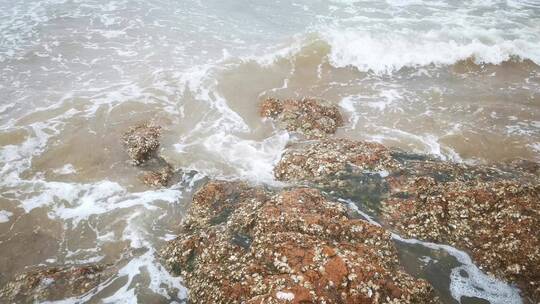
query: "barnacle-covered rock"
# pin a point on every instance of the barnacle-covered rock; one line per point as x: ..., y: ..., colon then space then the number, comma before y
x: 328, y: 158
x: 313, y: 118
x: 369, y: 172
x: 142, y: 142
x: 243, y: 244
x: 158, y: 178
x: 157, y: 172
x: 53, y: 283
x: 497, y: 222
x: 491, y: 211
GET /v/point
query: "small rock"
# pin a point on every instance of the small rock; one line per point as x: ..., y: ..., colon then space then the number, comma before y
x: 313, y: 118
x: 142, y: 142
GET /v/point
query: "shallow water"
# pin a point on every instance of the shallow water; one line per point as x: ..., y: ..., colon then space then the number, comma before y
x: 461, y: 81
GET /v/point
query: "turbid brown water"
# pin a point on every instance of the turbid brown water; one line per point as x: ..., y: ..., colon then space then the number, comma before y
x: 458, y: 81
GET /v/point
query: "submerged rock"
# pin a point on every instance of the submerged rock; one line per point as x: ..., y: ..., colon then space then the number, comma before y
x: 158, y: 178
x: 330, y: 159
x: 491, y: 211
x: 53, y: 283
x: 313, y: 118
x: 241, y: 244
x: 157, y: 172
x: 142, y: 142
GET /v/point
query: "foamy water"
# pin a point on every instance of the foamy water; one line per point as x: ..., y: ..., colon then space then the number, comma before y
x: 459, y: 80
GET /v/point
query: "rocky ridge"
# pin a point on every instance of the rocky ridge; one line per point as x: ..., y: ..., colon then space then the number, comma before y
x: 242, y: 244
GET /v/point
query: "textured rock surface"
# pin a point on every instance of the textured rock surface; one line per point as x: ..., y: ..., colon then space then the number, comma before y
x: 332, y: 158
x: 157, y: 172
x: 54, y: 283
x: 158, y: 178
x: 497, y: 222
x: 142, y: 142
x: 491, y: 211
x: 313, y: 118
x: 244, y: 245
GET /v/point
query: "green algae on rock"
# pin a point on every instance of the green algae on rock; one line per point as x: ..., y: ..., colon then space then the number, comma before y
x: 54, y: 283
x: 313, y: 118
x: 242, y: 244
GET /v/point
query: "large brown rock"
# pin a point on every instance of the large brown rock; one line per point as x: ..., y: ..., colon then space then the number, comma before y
x: 493, y: 212
x: 242, y: 244
x: 313, y: 118
x: 332, y: 158
x: 497, y: 222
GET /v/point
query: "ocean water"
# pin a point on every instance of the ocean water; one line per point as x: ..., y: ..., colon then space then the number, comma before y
x: 459, y: 79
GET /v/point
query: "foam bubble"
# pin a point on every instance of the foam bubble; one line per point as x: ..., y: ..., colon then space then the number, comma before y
x: 66, y: 169
x: 4, y: 216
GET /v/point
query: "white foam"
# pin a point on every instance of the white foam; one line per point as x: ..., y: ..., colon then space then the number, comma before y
x: 429, y: 142
x: 389, y: 51
x: 66, y: 169
x: 348, y: 103
x: 147, y: 262
x: 136, y: 233
x: 77, y: 202
x: 474, y: 283
x: 250, y: 159
x: 4, y: 216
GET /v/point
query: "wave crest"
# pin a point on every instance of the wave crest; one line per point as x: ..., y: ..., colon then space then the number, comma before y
x: 392, y: 52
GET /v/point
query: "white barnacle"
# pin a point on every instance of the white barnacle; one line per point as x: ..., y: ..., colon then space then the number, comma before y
x: 286, y: 296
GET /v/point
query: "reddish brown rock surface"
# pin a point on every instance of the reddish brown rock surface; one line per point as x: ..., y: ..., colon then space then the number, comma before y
x: 53, y: 283
x: 313, y: 118
x: 241, y: 244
